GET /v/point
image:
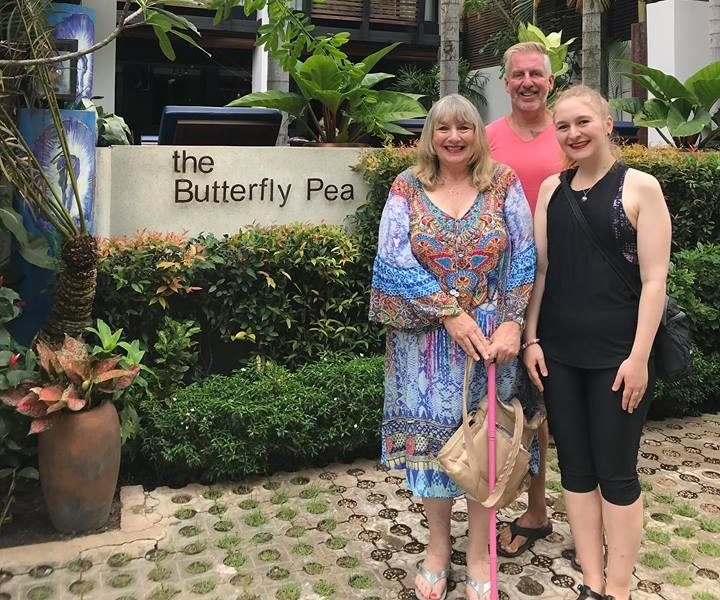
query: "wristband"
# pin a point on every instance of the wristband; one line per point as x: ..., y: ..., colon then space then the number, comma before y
x: 529, y: 343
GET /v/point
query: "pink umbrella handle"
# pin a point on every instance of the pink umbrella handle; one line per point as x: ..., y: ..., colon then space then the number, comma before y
x: 492, y: 525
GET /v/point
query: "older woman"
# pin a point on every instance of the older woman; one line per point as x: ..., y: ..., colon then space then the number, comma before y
x: 452, y: 277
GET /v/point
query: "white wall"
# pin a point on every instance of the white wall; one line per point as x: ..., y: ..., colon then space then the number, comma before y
x: 498, y: 102
x: 151, y: 187
x: 677, y: 38
x: 104, y: 69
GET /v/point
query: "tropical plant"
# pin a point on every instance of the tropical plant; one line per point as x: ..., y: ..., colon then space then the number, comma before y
x: 556, y: 48
x: 512, y: 13
x: 16, y: 453
x: 76, y: 377
x: 614, y: 52
x: 26, y: 58
x: 515, y: 12
x: 687, y: 110
x: 425, y: 81
x: 336, y: 100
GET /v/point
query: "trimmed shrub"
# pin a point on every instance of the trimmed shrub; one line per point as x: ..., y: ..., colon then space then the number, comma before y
x: 691, y: 183
x: 694, y: 281
x: 265, y: 418
x: 284, y: 293
x: 698, y: 393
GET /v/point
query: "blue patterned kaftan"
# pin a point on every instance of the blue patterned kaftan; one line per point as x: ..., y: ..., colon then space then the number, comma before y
x: 430, y: 265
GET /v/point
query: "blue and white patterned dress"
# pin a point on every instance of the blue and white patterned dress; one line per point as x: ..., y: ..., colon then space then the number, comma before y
x: 430, y: 265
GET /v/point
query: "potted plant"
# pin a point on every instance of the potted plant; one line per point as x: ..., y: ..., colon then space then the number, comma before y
x: 336, y: 101
x: 70, y: 394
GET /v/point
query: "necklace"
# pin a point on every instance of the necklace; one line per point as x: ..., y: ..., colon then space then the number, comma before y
x: 586, y: 191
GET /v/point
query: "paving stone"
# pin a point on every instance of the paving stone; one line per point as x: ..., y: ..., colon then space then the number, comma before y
x: 352, y: 531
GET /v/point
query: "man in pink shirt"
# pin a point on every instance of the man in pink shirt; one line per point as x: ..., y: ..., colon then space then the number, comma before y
x: 525, y: 140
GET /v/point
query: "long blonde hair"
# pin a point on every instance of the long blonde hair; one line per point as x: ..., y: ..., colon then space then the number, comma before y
x: 597, y: 102
x: 454, y: 107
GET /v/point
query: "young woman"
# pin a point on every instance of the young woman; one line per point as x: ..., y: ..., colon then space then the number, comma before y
x: 588, y: 338
x: 452, y: 277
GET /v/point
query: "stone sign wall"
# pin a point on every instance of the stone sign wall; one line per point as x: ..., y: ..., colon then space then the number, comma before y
x: 218, y: 189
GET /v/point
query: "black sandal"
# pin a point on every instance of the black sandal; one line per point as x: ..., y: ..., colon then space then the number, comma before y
x: 531, y: 535
x: 586, y: 592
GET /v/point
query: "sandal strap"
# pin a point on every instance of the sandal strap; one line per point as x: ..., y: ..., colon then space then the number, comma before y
x: 480, y: 587
x: 534, y: 533
x: 587, y: 592
x: 432, y: 577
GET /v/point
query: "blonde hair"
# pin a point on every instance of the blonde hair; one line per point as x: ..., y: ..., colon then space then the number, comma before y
x: 454, y: 108
x: 527, y: 48
x: 598, y: 103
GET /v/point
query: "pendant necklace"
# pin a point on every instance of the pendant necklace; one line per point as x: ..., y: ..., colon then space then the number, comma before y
x: 586, y: 191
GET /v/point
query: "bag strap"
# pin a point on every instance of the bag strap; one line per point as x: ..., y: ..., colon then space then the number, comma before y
x: 509, y: 466
x: 472, y: 450
x: 611, y: 257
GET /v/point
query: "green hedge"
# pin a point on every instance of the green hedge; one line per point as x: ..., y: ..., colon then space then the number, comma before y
x: 698, y: 393
x: 286, y: 293
x: 694, y: 281
x: 266, y: 418
x: 691, y: 183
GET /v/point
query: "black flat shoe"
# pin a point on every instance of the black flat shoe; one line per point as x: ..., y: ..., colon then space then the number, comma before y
x: 586, y: 592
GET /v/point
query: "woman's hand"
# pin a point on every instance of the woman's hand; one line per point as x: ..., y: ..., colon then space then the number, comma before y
x: 633, y: 376
x: 534, y: 360
x: 468, y: 335
x: 505, y: 342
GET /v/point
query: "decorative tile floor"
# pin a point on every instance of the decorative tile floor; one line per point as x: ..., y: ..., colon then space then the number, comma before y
x: 353, y: 531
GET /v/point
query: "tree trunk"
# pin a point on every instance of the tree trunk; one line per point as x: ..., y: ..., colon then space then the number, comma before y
x: 72, y: 305
x: 591, y: 43
x: 278, y: 79
x: 449, y: 52
x: 714, y: 29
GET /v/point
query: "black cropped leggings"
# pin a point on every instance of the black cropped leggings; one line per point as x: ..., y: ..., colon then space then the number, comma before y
x: 597, y: 441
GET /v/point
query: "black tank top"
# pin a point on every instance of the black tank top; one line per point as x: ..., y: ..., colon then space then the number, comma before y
x: 588, y: 315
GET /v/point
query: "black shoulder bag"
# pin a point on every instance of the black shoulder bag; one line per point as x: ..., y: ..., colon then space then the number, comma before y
x: 673, y: 340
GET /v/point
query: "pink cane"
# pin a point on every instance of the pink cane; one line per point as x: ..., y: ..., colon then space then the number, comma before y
x: 492, y: 398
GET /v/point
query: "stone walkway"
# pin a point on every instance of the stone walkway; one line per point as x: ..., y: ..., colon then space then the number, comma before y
x: 353, y: 531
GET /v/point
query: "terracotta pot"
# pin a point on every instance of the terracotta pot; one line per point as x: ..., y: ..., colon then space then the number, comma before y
x: 79, y: 459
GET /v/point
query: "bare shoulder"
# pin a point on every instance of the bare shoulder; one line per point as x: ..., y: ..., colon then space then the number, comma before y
x: 550, y: 183
x: 642, y: 183
x: 547, y: 187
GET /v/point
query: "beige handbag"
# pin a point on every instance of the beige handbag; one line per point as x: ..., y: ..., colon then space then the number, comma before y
x: 464, y: 457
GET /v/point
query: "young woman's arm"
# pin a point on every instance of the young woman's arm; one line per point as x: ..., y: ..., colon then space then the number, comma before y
x: 645, y: 206
x: 533, y: 356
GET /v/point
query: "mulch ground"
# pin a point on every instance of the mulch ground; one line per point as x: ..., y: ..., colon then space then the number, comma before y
x: 31, y: 523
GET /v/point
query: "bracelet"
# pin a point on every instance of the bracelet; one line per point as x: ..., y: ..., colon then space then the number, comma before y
x: 529, y: 343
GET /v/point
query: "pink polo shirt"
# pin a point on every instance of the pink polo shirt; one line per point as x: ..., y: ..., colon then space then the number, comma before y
x: 533, y: 160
